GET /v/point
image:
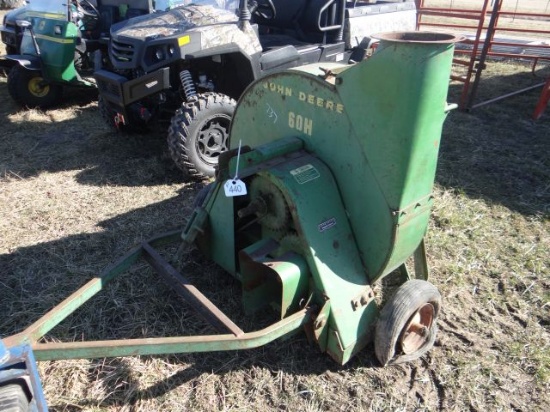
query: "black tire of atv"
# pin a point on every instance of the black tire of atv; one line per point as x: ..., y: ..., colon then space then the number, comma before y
x: 23, y: 87
x: 204, y: 119
x: 13, y: 398
x: 395, y: 316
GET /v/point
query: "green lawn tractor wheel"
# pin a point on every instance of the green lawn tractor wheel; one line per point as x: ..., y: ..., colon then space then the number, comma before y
x: 407, y: 328
x: 199, y: 132
x: 27, y: 88
x: 13, y: 398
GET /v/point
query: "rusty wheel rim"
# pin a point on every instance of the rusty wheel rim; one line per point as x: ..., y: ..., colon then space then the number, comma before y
x: 416, y: 332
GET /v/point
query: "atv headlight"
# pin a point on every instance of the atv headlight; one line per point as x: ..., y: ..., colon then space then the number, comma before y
x: 171, y: 50
x: 159, y: 54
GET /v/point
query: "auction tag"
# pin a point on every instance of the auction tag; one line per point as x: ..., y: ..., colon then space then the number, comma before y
x: 234, y: 187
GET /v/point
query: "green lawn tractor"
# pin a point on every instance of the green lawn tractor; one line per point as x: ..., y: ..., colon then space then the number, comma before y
x: 53, y: 44
x: 324, y: 194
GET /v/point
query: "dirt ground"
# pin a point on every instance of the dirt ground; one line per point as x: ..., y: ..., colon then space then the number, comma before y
x: 74, y: 196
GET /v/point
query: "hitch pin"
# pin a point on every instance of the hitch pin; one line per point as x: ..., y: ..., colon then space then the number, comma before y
x: 119, y: 120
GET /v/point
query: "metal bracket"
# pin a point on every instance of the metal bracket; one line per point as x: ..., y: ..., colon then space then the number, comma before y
x: 419, y: 206
x: 320, y: 326
x: 421, y: 270
x: 196, y: 224
x: 362, y: 299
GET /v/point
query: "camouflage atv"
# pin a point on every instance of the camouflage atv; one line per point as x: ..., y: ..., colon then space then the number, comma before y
x: 184, y: 69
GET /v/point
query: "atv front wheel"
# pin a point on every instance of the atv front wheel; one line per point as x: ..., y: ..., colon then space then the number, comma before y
x: 199, y: 133
x: 28, y: 88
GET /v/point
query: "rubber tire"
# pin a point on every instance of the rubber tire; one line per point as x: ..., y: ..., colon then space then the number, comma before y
x: 185, y: 128
x: 13, y: 398
x: 18, y: 88
x: 395, y: 315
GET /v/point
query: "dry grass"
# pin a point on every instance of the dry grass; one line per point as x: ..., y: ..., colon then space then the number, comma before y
x: 74, y: 196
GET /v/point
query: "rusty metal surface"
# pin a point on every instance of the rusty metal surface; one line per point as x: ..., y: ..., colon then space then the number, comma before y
x: 56, y: 315
x: 184, y: 344
x: 235, y: 340
x: 416, y: 331
x: 204, y: 307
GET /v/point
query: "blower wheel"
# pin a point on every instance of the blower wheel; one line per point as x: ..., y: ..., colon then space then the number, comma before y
x: 290, y: 243
x: 276, y: 215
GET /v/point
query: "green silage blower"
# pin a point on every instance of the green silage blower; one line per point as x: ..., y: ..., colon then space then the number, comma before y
x: 326, y: 190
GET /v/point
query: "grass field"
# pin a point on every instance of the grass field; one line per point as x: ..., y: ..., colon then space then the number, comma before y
x: 74, y: 196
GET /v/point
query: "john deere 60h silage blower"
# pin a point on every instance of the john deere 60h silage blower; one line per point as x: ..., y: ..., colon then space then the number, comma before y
x: 327, y: 190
